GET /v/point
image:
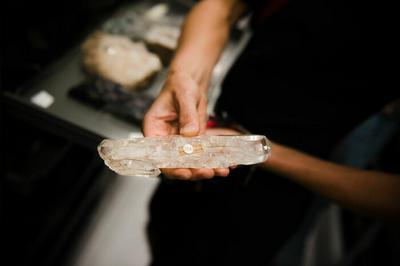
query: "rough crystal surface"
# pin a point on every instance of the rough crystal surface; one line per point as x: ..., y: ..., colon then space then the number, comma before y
x: 145, y: 156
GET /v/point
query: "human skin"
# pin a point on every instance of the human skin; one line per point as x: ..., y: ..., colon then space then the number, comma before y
x: 374, y: 193
x: 181, y: 107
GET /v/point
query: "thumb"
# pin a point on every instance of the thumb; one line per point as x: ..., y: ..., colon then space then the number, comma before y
x: 189, y: 124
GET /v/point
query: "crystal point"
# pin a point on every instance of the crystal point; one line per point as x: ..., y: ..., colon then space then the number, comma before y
x: 145, y: 156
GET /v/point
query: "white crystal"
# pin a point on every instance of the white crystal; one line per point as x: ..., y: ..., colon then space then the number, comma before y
x: 145, y: 156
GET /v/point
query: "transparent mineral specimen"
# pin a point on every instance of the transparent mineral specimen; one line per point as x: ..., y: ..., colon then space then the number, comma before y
x: 144, y: 156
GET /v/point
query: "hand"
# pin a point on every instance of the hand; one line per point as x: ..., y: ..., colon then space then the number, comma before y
x: 199, y: 174
x: 181, y: 108
x: 222, y: 131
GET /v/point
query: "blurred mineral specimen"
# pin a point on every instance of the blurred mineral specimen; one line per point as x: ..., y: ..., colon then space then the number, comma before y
x: 118, y: 59
x: 144, y: 156
x: 162, y: 40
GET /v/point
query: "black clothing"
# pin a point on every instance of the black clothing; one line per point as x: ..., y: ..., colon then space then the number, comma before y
x: 302, y: 80
x: 311, y: 72
x: 224, y: 221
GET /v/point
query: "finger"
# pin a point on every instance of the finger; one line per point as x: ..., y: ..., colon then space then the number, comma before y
x: 203, y: 117
x: 221, y: 172
x: 188, y: 116
x: 161, y: 119
x: 203, y: 173
x: 156, y: 127
x: 221, y: 131
x: 177, y: 173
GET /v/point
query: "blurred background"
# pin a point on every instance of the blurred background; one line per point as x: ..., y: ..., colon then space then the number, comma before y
x: 59, y: 204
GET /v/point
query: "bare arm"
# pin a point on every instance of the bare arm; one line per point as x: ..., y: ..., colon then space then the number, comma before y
x: 372, y: 192
x: 182, y: 104
x: 203, y: 38
x: 181, y: 107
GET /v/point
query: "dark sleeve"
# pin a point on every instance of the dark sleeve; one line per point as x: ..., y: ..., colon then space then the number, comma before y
x: 254, y: 5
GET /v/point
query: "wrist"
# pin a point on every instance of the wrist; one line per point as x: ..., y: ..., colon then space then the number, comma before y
x: 199, y: 72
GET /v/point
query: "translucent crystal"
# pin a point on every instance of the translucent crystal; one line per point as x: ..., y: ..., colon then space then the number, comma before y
x: 145, y: 156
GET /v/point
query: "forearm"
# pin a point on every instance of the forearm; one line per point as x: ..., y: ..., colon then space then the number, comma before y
x: 204, y: 35
x: 372, y: 192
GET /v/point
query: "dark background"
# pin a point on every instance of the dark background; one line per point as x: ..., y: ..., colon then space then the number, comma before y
x: 37, y: 32
x: 49, y: 181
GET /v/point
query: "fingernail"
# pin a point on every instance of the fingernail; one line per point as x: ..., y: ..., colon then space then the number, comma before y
x: 189, y: 129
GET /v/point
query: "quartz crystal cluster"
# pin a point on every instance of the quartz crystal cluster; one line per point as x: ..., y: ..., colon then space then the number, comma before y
x: 120, y: 60
x: 145, y: 156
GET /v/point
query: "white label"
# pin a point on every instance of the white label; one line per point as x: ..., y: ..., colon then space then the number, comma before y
x: 43, y: 99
